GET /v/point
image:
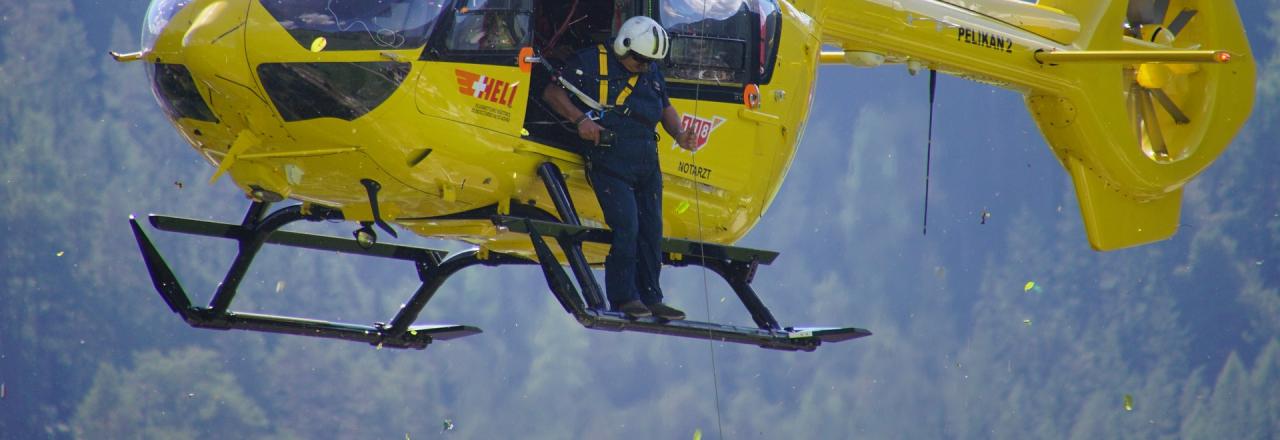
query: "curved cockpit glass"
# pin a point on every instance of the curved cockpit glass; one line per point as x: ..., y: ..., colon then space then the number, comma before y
x: 357, y: 24
x: 158, y: 15
x: 721, y: 41
x: 490, y: 25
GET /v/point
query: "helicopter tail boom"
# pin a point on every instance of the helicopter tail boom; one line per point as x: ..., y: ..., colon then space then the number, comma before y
x: 1160, y: 89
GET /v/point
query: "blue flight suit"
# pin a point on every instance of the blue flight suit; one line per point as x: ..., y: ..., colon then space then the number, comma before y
x: 626, y: 176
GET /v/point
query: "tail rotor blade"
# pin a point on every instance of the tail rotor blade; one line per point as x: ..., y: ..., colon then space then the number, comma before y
x: 1152, y: 125
x: 1147, y: 12
x: 1163, y: 98
x: 1181, y: 20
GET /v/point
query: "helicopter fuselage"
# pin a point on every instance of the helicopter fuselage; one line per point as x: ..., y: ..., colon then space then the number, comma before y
x: 289, y: 110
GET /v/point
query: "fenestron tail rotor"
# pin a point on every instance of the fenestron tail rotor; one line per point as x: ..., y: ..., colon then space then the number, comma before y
x: 1160, y: 88
x: 1161, y: 85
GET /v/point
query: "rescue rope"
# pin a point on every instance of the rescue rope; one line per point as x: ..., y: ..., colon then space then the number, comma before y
x: 702, y: 255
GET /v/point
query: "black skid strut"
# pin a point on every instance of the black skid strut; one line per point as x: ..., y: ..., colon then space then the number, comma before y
x: 434, y: 267
x: 735, y: 265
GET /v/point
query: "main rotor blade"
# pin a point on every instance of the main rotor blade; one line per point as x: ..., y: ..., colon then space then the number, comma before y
x: 1178, y: 116
x: 1152, y: 124
x: 1147, y: 12
x: 1181, y: 20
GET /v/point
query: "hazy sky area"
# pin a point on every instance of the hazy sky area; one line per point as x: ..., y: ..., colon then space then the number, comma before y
x: 1179, y: 339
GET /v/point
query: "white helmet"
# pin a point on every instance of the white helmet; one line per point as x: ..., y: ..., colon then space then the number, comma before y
x: 643, y: 36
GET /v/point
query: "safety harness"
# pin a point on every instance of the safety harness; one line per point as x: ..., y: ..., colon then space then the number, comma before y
x: 619, y: 103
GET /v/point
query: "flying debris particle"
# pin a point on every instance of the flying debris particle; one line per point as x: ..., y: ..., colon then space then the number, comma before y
x: 178, y: 183
x: 524, y: 132
x: 684, y: 206
x: 60, y: 253
x: 413, y: 332
x: 1027, y: 322
x: 1259, y: 262
x: 318, y: 44
x: 3, y: 391
x: 722, y: 299
x: 379, y: 346
x: 448, y: 425
x: 1128, y: 402
x: 279, y: 286
x: 191, y: 395
x: 697, y: 434
x: 985, y: 215
x: 1027, y: 287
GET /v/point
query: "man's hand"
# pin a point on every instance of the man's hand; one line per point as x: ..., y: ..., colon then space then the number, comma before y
x: 590, y: 130
x: 687, y: 139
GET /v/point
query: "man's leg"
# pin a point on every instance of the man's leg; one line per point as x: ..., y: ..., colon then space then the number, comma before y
x: 649, y: 209
x: 619, y: 205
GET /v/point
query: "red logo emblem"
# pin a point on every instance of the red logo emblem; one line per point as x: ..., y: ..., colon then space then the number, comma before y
x: 485, y: 88
x: 701, y: 127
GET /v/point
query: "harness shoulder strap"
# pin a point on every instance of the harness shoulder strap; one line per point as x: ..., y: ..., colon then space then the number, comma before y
x: 604, y: 74
x: 604, y: 80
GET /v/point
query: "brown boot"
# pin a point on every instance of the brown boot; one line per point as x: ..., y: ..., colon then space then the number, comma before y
x: 666, y: 312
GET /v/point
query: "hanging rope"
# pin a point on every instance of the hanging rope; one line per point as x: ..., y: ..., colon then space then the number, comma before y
x: 928, y: 155
x: 697, y: 202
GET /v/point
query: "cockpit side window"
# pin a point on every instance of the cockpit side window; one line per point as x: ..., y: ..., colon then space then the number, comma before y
x: 357, y: 24
x: 721, y: 42
x: 485, y: 31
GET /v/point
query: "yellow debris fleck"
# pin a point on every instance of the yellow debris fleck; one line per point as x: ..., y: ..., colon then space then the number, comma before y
x: 1030, y: 285
x: 318, y: 44
x: 60, y: 253
x: 379, y: 346
x: 413, y: 332
x: 697, y: 434
x: 1128, y: 402
x: 524, y: 132
x: 279, y: 286
x: 684, y: 206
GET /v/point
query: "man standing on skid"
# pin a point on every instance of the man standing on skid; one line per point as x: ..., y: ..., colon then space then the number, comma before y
x: 631, y: 94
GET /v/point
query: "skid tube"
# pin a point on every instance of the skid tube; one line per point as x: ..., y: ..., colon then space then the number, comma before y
x: 735, y: 265
x: 434, y: 267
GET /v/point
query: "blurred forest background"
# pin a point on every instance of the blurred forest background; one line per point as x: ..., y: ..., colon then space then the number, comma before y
x: 1186, y: 331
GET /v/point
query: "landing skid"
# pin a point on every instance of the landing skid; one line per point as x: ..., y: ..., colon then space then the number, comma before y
x: 736, y: 265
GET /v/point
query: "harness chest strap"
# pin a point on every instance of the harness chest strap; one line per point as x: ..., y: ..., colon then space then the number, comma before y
x: 604, y: 80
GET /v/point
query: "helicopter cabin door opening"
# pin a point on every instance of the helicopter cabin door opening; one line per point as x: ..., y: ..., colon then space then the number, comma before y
x: 557, y: 37
x: 717, y: 48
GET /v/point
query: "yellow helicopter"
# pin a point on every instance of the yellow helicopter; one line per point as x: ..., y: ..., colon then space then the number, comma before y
x: 425, y: 115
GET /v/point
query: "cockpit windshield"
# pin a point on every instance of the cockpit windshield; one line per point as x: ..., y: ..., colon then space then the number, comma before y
x: 158, y: 15
x: 357, y: 24
x: 721, y: 41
